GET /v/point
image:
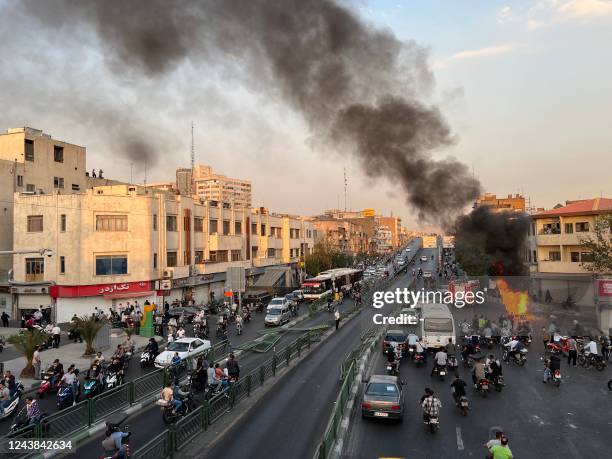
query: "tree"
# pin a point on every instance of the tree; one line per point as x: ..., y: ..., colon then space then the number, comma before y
x: 89, y: 327
x: 600, y: 245
x: 26, y: 343
x: 325, y: 256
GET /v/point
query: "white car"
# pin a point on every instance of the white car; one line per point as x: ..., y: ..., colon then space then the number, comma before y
x: 185, y: 347
x: 279, y: 301
x: 423, y: 258
x: 299, y: 294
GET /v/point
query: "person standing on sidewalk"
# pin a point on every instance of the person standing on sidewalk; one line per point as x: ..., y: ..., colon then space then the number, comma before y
x: 572, y: 350
x: 233, y: 369
x: 337, y: 318
x: 36, y: 362
x: 56, y: 331
x: 5, y: 319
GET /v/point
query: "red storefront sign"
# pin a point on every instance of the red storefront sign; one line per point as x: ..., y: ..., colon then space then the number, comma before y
x: 605, y: 287
x: 75, y: 291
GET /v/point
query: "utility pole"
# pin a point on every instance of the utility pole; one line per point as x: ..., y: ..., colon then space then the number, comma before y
x: 191, y: 185
x: 345, y: 185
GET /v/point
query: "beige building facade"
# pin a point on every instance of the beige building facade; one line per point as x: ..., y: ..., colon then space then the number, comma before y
x: 125, y: 242
x: 209, y: 186
x: 32, y: 162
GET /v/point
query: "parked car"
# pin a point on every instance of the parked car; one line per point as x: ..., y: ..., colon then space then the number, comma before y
x: 383, y: 398
x: 187, y: 312
x: 252, y: 297
x: 186, y: 347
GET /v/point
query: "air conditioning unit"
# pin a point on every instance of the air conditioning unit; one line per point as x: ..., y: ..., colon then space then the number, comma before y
x: 168, y: 273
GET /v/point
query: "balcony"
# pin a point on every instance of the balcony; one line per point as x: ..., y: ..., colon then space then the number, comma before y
x: 34, y: 277
x: 561, y: 239
x: 220, y: 242
x: 561, y: 267
x: 260, y: 262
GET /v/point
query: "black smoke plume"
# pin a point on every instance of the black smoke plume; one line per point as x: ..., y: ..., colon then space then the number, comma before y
x: 491, y: 243
x: 357, y: 86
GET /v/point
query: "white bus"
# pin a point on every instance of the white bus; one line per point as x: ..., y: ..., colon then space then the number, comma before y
x: 437, y: 326
x: 342, y: 278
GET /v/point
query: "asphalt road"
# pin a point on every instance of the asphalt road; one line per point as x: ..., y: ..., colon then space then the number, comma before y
x: 541, y: 420
x: 290, y: 420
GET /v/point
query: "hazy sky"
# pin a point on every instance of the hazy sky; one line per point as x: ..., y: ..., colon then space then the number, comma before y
x: 526, y: 87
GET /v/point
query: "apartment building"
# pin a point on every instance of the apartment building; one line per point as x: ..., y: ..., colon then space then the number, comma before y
x: 209, y: 186
x: 559, y: 254
x: 31, y: 161
x: 512, y: 202
x: 125, y: 242
x: 394, y: 224
x: 350, y: 236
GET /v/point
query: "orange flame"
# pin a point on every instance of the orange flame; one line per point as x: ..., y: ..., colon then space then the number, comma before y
x: 514, y: 301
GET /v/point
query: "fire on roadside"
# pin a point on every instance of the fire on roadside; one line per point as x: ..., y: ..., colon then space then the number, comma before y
x: 515, y: 301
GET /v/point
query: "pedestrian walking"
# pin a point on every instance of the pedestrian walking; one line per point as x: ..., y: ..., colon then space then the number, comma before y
x: 337, y: 318
x: 36, y: 362
x: 572, y: 351
x: 5, y: 319
x: 56, y: 331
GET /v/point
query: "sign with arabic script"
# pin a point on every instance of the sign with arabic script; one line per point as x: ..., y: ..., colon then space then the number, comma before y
x: 73, y: 291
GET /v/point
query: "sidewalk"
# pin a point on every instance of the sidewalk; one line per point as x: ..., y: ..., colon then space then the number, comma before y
x: 564, y: 318
x: 70, y: 354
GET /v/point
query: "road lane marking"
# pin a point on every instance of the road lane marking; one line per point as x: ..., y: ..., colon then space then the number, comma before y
x: 459, y: 439
x: 535, y: 392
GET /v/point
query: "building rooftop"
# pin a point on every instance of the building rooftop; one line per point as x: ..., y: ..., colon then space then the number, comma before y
x: 583, y: 207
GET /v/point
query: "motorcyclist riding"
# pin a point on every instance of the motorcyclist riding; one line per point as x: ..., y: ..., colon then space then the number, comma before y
x: 478, y: 372
x: 514, y: 346
x: 430, y: 405
x: 552, y: 364
x: 152, y: 347
x: 458, y: 388
x: 440, y: 361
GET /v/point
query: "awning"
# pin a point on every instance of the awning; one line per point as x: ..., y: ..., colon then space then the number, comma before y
x: 113, y: 296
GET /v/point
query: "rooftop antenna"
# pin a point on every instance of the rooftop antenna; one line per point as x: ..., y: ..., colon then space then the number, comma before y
x: 131, y: 172
x: 192, y: 160
x: 345, y: 185
x: 145, y: 173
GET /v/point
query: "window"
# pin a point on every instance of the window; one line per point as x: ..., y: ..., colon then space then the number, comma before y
x: 213, y: 227
x: 198, y: 224
x: 75, y: 187
x: 58, y: 182
x: 171, y: 259
x: 62, y: 265
x: 154, y: 222
x: 254, y: 251
x: 271, y: 253
x: 586, y: 257
x: 575, y: 257
x: 30, y: 187
x: 263, y: 229
x: 236, y: 255
x: 111, y: 223
x: 226, y: 227
x: 218, y: 255
x: 35, y: 266
x: 63, y: 223
x: 569, y: 228
x: 154, y: 261
x: 237, y: 227
x: 582, y: 227
x: 199, y: 257
x: 110, y: 265
x: 29, y: 150
x: 35, y: 223
x: 554, y: 256
x: 253, y: 228
x: 171, y: 223
x: 20, y: 180
x: 58, y: 154
x: 535, y: 256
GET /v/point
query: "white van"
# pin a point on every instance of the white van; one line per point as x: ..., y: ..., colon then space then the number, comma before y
x: 277, y: 315
x: 437, y: 326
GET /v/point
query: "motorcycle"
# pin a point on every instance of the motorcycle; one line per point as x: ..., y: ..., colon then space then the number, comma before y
x: 146, y: 358
x: 239, y: 328
x: 21, y: 420
x: 432, y: 423
x: 556, y: 378
x: 91, y: 387
x: 595, y: 360
x: 463, y: 405
x: 451, y: 364
x: 498, y: 382
x: 12, y: 406
x: 483, y: 387
x: 112, y: 427
x: 418, y: 359
x: 112, y: 380
x: 187, y: 405
x: 393, y: 367
x: 246, y: 317
x: 65, y: 398
x: 45, y: 385
x: 440, y: 371
x: 519, y: 358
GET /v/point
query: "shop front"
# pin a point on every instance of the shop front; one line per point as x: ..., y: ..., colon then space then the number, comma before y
x: 29, y: 298
x: 83, y: 299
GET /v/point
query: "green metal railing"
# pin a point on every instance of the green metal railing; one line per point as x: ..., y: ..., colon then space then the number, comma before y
x: 174, y: 439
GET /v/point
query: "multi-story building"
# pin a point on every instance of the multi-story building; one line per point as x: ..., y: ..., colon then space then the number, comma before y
x: 345, y: 235
x: 516, y: 202
x: 559, y: 256
x: 184, y: 181
x: 394, y: 224
x: 118, y: 243
x: 215, y: 187
x: 32, y: 162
